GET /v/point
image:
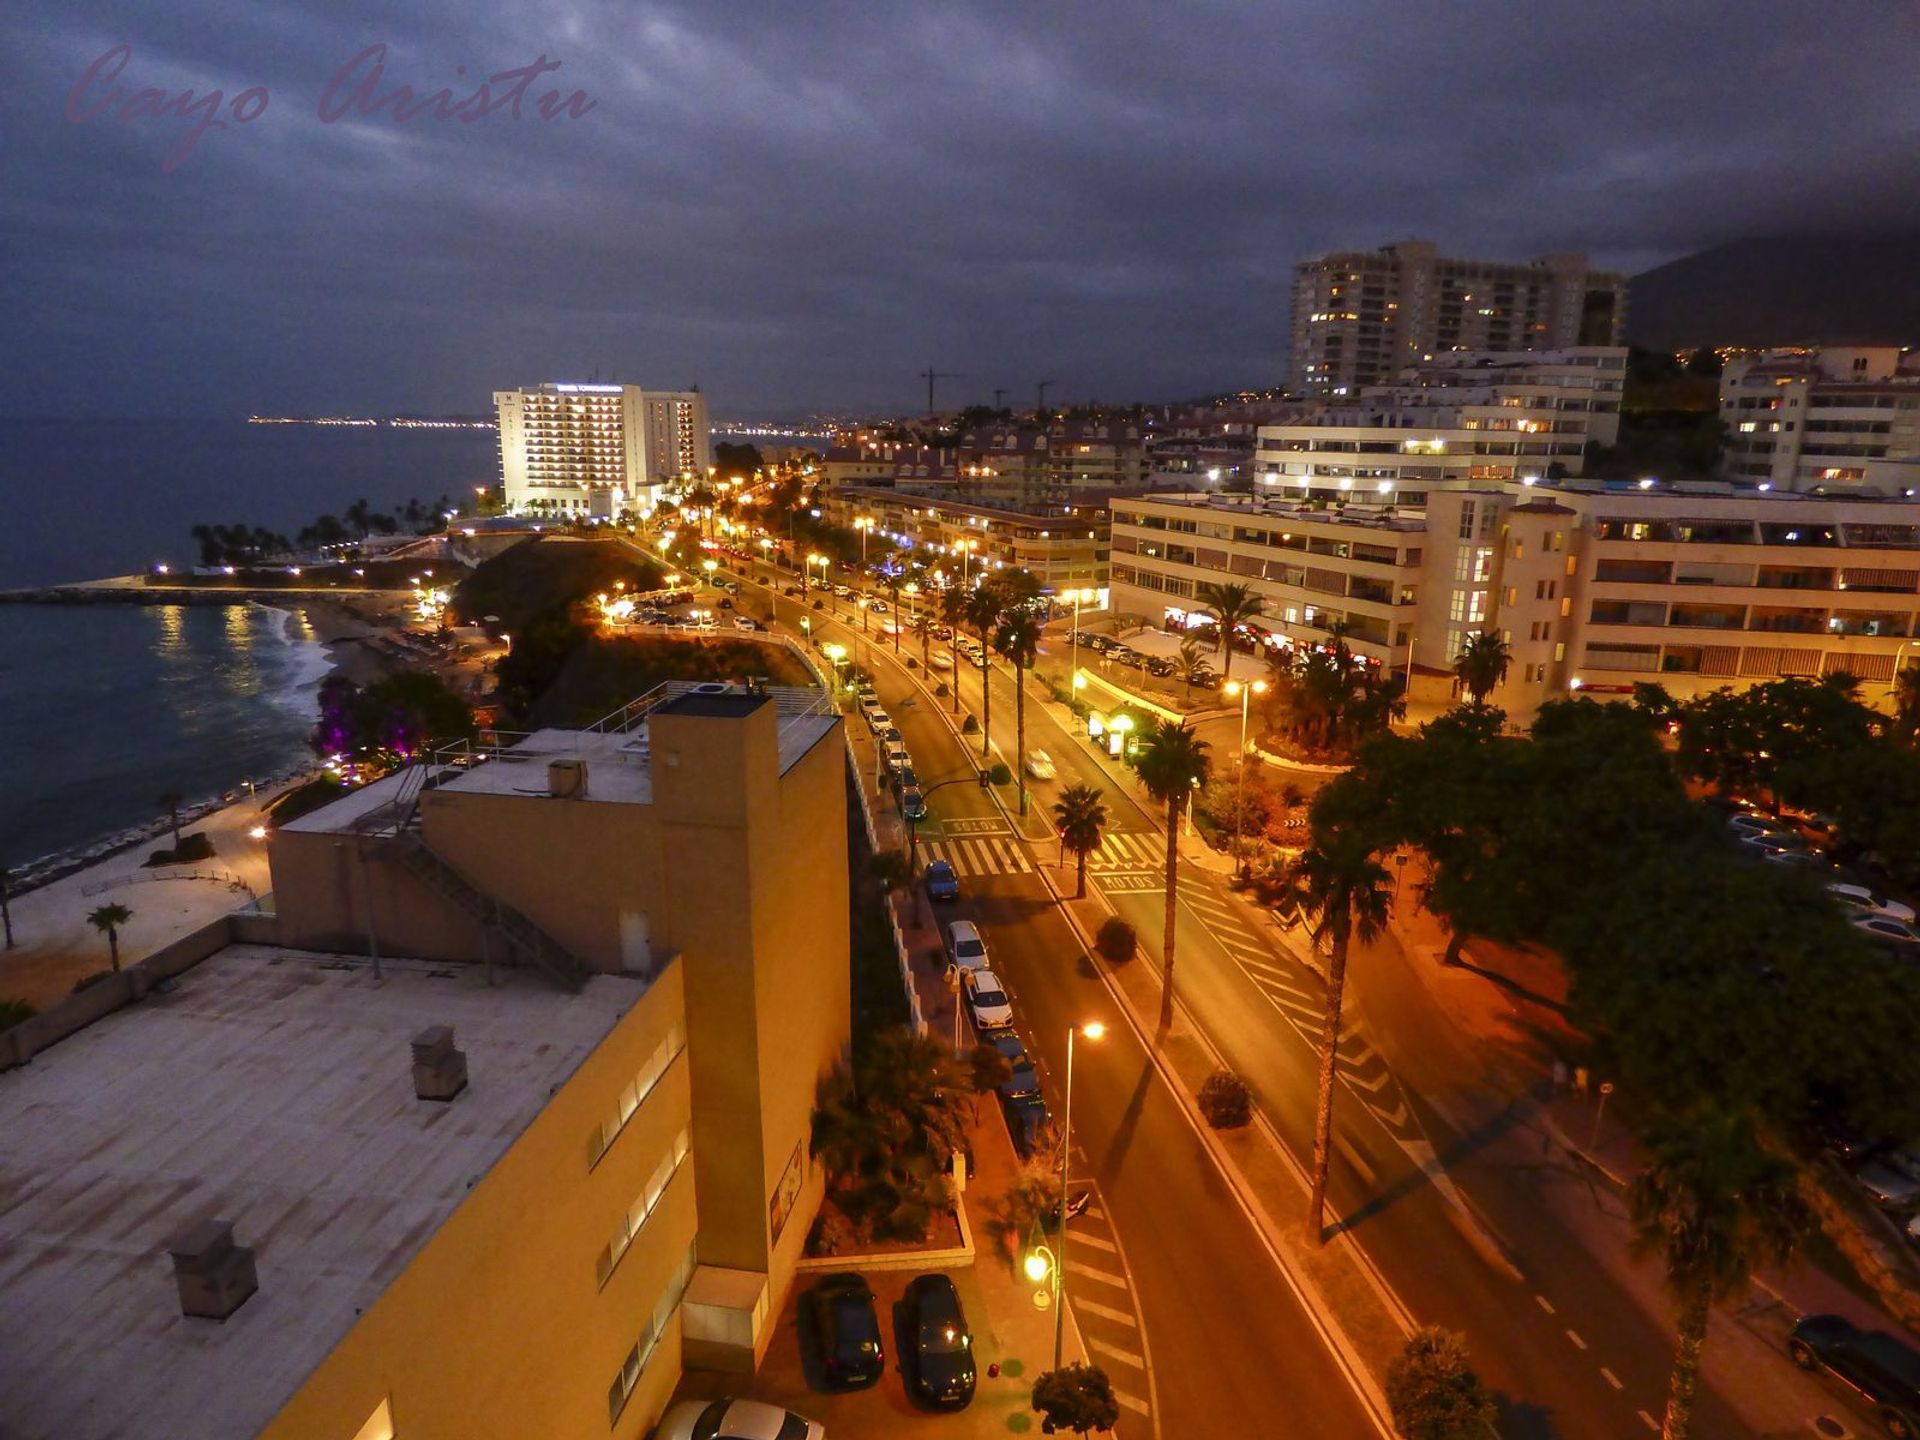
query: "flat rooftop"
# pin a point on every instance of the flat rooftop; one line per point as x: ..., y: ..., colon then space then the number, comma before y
x: 271, y: 1088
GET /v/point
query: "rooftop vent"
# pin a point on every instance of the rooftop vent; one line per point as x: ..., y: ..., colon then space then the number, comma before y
x: 439, y: 1070
x: 567, y: 779
x: 215, y: 1275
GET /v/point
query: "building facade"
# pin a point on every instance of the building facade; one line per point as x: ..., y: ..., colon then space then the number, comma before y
x: 591, y: 450
x: 1362, y: 316
x: 1833, y: 420
x: 624, y: 1187
x: 1064, y: 546
x: 1595, y: 588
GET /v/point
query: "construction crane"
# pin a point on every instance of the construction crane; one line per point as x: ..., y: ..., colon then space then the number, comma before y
x: 930, y: 375
x: 1040, y: 403
x: 999, y: 397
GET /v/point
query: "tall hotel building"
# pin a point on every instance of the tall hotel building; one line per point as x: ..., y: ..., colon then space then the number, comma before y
x: 596, y: 450
x: 1362, y: 316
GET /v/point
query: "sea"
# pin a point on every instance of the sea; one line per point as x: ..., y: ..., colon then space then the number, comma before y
x: 105, y: 707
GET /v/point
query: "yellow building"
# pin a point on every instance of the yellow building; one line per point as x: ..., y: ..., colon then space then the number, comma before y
x: 638, y: 939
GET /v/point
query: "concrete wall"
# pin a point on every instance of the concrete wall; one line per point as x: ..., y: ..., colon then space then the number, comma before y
x: 499, y: 1327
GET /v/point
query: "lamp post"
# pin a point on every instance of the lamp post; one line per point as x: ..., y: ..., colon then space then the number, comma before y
x: 1246, y: 691
x: 1093, y: 1030
x: 966, y: 549
x: 806, y: 572
x: 1073, y: 635
x: 710, y: 566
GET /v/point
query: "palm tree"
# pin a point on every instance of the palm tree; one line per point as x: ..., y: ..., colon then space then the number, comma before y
x: 1191, y: 661
x: 1083, y: 824
x: 983, y: 613
x: 1481, y: 665
x: 1714, y: 1203
x: 953, y: 614
x: 1906, y: 703
x: 171, y: 801
x: 1232, y: 605
x: 892, y: 580
x: 1337, y: 880
x: 108, y: 919
x: 360, y: 515
x: 1172, y: 764
x: 1019, y: 640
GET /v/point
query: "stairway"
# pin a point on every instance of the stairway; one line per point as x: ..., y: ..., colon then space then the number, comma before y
x: 524, y: 939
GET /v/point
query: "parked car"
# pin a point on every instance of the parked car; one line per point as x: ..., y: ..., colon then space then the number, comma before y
x: 943, y: 632
x: 1028, y: 1123
x: 1887, y: 932
x: 726, y: 602
x: 745, y: 625
x: 967, y: 945
x: 1890, y: 1187
x: 1871, y: 1362
x: 878, y: 607
x: 1100, y: 643
x: 897, y: 758
x: 986, y: 1001
x: 1860, y: 897
x: 889, y: 732
x: 943, y: 1369
x: 843, y: 1313
x: 906, y: 779
x: 912, y: 804
x: 729, y: 1419
x: 1040, y: 765
x: 1159, y: 665
x: 942, y: 883
x: 1121, y: 655
x: 1025, y: 1080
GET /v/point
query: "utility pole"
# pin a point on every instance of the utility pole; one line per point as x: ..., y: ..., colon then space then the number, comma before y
x: 1040, y: 402
x: 6, y: 914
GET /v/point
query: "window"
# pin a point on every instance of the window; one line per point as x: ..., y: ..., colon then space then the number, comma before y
x: 1566, y: 605
x: 642, y: 1351
x: 1466, y: 519
x: 1513, y: 595
x: 1560, y: 651
x: 635, y: 1094
x: 1545, y: 589
x: 379, y: 1425
x: 1519, y: 549
x: 644, y: 1205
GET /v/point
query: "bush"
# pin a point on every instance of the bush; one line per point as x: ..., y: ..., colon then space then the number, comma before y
x: 969, y: 726
x: 1077, y: 1398
x: 1432, y: 1392
x: 1225, y: 1102
x: 1116, y: 941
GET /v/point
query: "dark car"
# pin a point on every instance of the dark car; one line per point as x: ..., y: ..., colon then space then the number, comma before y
x: 1024, y: 1080
x: 942, y: 884
x: 1159, y: 666
x: 850, y: 1352
x: 943, y: 1370
x: 1027, y: 1122
x: 1875, y: 1364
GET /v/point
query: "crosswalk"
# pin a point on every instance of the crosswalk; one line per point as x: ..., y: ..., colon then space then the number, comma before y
x: 976, y: 855
x: 975, y: 851
x: 1107, y: 1314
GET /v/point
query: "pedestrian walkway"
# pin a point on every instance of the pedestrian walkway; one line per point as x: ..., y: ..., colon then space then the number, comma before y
x: 1104, y: 1308
x: 973, y: 855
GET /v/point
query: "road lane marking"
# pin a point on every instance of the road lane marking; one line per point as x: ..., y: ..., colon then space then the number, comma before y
x: 1574, y: 1336
x: 1080, y: 1267
x: 1648, y: 1421
x: 1081, y: 1238
x: 1139, y: 1406
x: 1612, y: 1379
x: 1125, y: 1357
x: 1106, y: 1312
x: 1544, y: 1303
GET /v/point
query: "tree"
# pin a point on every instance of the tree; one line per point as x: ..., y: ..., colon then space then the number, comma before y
x: 1481, y: 665
x: 1116, y: 940
x: 1713, y: 1203
x: 1190, y: 663
x: 1172, y: 764
x: 1075, y: 1397
x: 1337, y: 880
x: 108, y: 919
x: 1019, y: 640
x: 1433, y: 1393
x: 171, y: 801
x: 954, y: 601
x: 1081, y: 818
x: 892, y: 580
x: 984, y: 609
x: 1232, y: 605
x: 1906, y: 703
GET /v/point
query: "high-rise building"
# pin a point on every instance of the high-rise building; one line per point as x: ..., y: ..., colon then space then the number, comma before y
x: 569, y: 449
x: 1835, y: 419
x: 1362, y: 316
x: 498, y: 1116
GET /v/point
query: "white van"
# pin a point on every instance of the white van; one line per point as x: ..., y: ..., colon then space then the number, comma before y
x: 967, y: 946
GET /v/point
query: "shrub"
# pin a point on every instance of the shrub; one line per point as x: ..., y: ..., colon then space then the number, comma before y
x: 1116, y: 941
x: 1077, y: 1398
x: 1432, y: 1392
x: 969, y: 726
x: 1225, y: 1102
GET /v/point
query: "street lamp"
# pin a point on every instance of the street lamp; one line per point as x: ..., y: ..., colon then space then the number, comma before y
x: 710, y: 566
x: 1073, y: 635
x: 806, y: 572
x: 966, y: 549
x: 1246, y: 692
x: 1093, y: 1030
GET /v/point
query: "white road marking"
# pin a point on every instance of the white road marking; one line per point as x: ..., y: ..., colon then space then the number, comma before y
x: 1544, y: 1303
x: 1138, y: 1406
x: 1574, y: 1336
x: 1078, y: 1268
x: 1612, y: 1379
x: 1648, y: 1421
x: 1125, y: 1357
x: 1106, y: 1312
x: 1098, y: 1243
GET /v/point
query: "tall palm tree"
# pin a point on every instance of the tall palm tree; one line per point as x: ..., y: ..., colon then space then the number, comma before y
x: 953, y: 614
x: 891, y: 581
x: 171, y: 801
x: 1172, y: 764
x: 108, y: 919
x: 1482, y: 664
x: 984, y: 609
x: 1906, y: 703
x: 1082, y: 821
x: 1019, y: 640
x: 1714, y: 1203
x: 1337, y: 880
x: 1232, y: 605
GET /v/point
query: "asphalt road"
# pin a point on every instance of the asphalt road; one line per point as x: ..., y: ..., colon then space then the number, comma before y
x: 1232, y: 1350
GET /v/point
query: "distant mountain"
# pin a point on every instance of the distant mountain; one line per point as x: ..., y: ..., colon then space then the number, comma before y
x: 1789, y: 290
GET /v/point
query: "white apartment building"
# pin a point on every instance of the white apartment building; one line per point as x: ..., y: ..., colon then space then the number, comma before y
x: 1361, y: 316
x: 1837, y: 419
x: 1063, y: 546
x: 1594, y: 587
x: 571, y: 449
x: 1458, y: 417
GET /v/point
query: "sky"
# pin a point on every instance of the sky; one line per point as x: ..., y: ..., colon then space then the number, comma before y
x: 800, y: 206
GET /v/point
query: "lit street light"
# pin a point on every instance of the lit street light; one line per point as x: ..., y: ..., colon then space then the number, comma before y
x: 1246, y: 692
x: 1093, y: 1030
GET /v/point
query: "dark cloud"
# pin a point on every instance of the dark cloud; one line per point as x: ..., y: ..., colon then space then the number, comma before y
x: 800, y: 205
